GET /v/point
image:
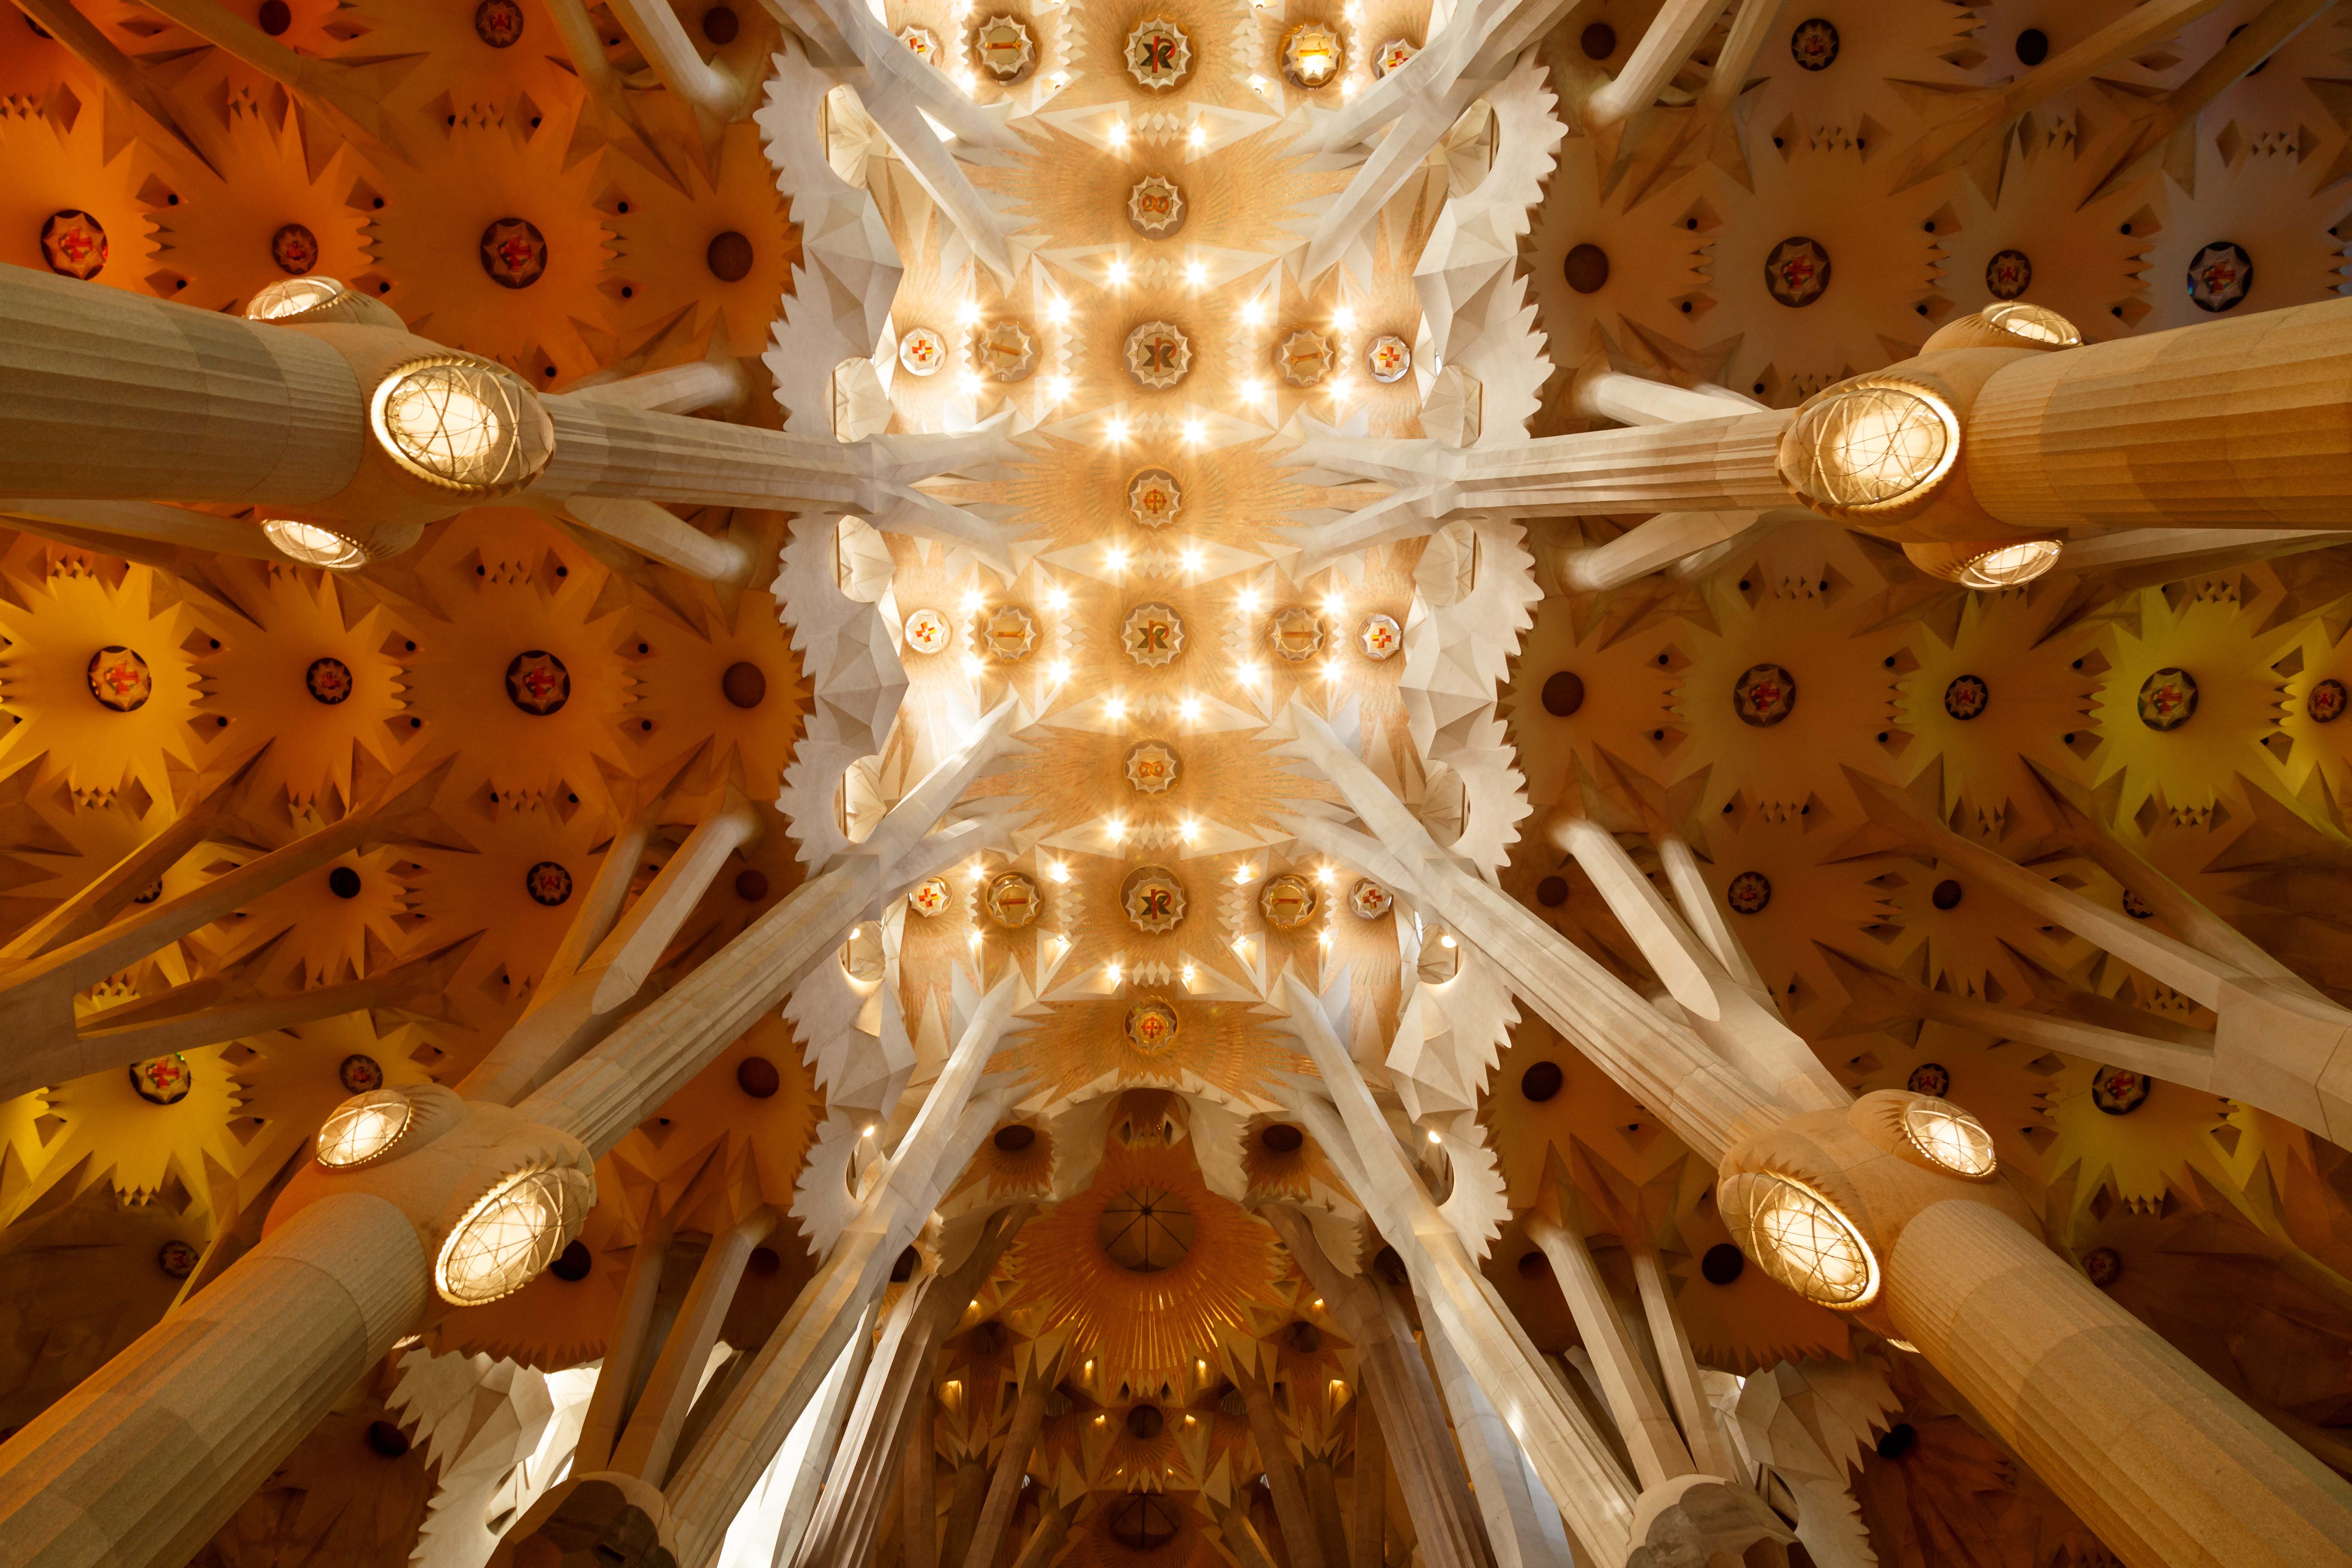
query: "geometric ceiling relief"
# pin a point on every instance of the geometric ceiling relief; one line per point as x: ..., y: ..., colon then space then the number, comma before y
x: 1284, y: 784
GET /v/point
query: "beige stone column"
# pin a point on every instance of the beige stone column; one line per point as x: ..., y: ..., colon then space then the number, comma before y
x: 1323, y: 1495
x: 1704, y: 1100
x: 918, y: 1503
x: 710, y: 1483
x: 651, y: 1436
x: 1642, y: 1419
x: 107, y: 394
x: 2165, y: 1464
x: 1020, y: 1443
x: 144, y: 1459
x: 1701, y: 1430
x: 1368, y: 1522
x: 1045, y: 1542
x: 2244, y: 421
x: 1302, y: 1543
x: 1894, y: 1211
x: 1395, y: 1377
x: 964, y: 1500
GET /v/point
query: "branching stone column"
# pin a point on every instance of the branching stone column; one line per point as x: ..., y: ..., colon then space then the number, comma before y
x: 1567, y: 1455
x: 712, y: 1482
x: 1395, y: 1377
x: 1704, y: 1100
x: 1891, y: 1211
x: 1642, y: 1419
x: 1302, y: 1543
x: 1020, y: 1443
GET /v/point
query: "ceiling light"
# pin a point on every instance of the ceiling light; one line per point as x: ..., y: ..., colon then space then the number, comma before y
x: 1799, y: 1236
x: 363, y: 1128
x: 511, y: 1234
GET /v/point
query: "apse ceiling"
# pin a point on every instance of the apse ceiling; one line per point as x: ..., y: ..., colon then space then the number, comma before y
x: 1149, y: 273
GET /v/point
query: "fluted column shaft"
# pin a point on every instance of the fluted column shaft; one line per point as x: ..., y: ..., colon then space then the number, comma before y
x: 144, y: 1459
x: 105, y: 394
x: 1020, y: 1442
x: 2168, y: 1467
x: 2244, y: 421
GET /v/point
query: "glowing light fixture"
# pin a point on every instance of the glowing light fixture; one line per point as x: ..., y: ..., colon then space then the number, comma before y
x: 2033, y: 323
x: 1871, y: 446
x: 1800, y: 1237
x: 364, y: 1128
x: 510, y: 1235
x: 314, y: 545
x: 1950, y: 1137
x: 293, y: 297
x: 460, y: 424
x: 2011, y: 564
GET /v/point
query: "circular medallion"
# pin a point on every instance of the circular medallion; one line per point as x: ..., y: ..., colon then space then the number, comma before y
x: 2137, y: 907
x: 2219, y: 277
x: 1815, y: 44
x: 537, y: 682
x: 1563, y: 693
x: 73, y: 243
x: 2119, y: 1091
x: 1154, y: 899
x: 1304, y: 358
x: 1379, y: 636
x: 548, y: 884
x: 1748, y: 893
x: 1369, y: 901
x: 744, y: 684
x: 161, y: 1081
x: 928, y: 631
x: 1009, y: 632
x: 730, y: 255
x: 1153, y: 497
x: 1157, y: 54
x: 2326, y: 704
x: 1158, y: 355
x: 1151, y: 768
x: 2105, y: 1266
x: 1586, y: 268
x: 330, y: 681
x: 294, y: 249
x: 1003, y: 47
x: 1945, y: 894
x: 1155, y: 205
x: 2167, y: 699
x: 1005, y: 351
x: 1311, y: 56
x: 921, y: 42
x: 499, y: 23
x: 922, y: 352
x: 930, y: 897
x: 360, y: 1074
x: 1764, y: 695
x: 1931, y: 1079
x: 119, y: 680
x: 2007, y: 274
x: 1798, y: 271
x: 1392, y: 55
x: 1387, y: 359
x: 1012, y: 900
x: 1151, y: 1025
x: 1966, y: 697
x: 1153, y: 634
x: 514, y: 253
x: 176, y: 1258
x: 1287, y: 902
x: 1297, y: 633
